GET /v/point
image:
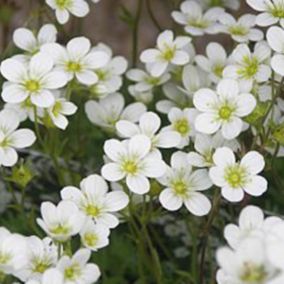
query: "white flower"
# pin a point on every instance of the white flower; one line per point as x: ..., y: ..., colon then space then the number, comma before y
x: 36, y: 80
x: 25, y: 39
x: 62, y: 221
x: 143, y: 97
x: 13, y: 249
x: 77, y: 60
x: 11, y: 138
x: 235, y: 178
x: 182, y: 121
x: 248, y: 67
x: 51, y: 275
x: 109, y: 75
x: 78, y: 8
x: 109, y: 110
x: 145, y: 82
x: 205, y: 146
x: 275, y: 39
x: 169, y: 51
x: 59, y: 110
x: 247, y: 264
x: 241, y: 30
x: 272, y: 11
x: 94, y: 236
x: 196, y: 23
x: 77, y: 270
x: 183, y: 186
x: 176, y: 97
x: 193, y: 78
x: 222, y: 109
x: 94, y: 200
x: 41, y: 256
x: 251, y: 224
x: 149, y: 124
x: 215, y: 61
x: 131, y: 160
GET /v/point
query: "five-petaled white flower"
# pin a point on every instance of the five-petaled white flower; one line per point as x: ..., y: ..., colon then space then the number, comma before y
x: 131, y: 159
x: 235, y: 178
x: 94, y: 200
x: 222, y: 109
x: 77, y: 60
x: 63, y: 8
x: 272, y: 11
x: 11, y: 138
x: 196, y: 23
x: 26, y: 40
x: 249, y: 67
x: 215, y: 61
x: 183, y: 186
x: 241, y: 30
x: 62, y: 221
x: 76, y: 269
x: 182, y: 121
x: 149, y: 124
x: 35, y: 80
x: 169, y: 52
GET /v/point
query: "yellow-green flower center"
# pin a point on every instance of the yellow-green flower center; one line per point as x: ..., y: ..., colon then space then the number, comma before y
x: 238, y: 30
x: 130, y: 167
x: 236, y: 176
x: 198, y: 23
x: 4, y: 258
x: 218, y: 70
x: 253, y: 274
x: 93, y: 211
x: 179, y: 187
x: 57, y: 108
x: 41, y: 266
x: 72, y: 272
x: 60, y: 230
x: 250, y: 67
x: 277, y: 10
x: 153, y: 81
x: 102, y: 74
x: 182, y: 126
x: 91, y: 239
x: 73, y: 66
x: 168, y: 53
x: 225, y: 112
x: 63, y: 4
x: 32, y: 86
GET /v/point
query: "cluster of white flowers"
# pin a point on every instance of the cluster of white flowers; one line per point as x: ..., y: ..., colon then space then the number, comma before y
x: 203, y: 109
x: 255, y: 250
x: 87, y: 212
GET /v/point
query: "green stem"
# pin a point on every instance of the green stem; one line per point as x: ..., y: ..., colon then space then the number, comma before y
x: 135, y: 33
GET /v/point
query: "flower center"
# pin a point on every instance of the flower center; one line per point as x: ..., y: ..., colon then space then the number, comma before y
x: 92, y: 210
x: 4, y: 258
x: 236, y: 176
x: 218, y: 70
x: 182, y: 126
x: 57, y: 108
x: 277, y: 10
x: 102, y: 74
x: 73, y: 66
x: 72, y: 272
x: 208, y: 157
x: 130, y: 167
x: 41, y: 266
x: 168, y: 53
x: 253, y: 274
x: 91, y: 239
x: 180, y: 187
x: 153, y: 81
x: 60, y: 230
x: 238, y: 30
x: 198, y: 23
x: 225, y: 112
x: 32, y: 86
x: 62, y: 4
x: 250, y: 67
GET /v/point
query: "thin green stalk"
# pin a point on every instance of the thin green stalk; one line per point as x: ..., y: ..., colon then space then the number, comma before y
x: 135, y: 33
x: 152, y: 15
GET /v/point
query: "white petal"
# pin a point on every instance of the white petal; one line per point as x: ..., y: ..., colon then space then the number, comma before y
x: 257, y: 186
x: 149, y: 55
x: 114, y: 149
x: 40, y: 65
x: 153, y: 167
x: 138, y: 184
x: 228, y: 88
x: 47, y: 34
x: 275, y: 38
x: 170, y: 201
x: 96, y: 59
x: 200, y: 180
x: 62, y: 16
x: 14, y: 94
x: 232, y: 128
x: 253, y: 162
x: 168, y: 139
x: 8, y: 157
x: 79, y: 8
x: 198, y: 204
x: 22, y: 138
x: 245, y: 104
x: 133, y: 112
x: 87, y: 77
x: 251, y: 217
x: 24, y: 39
x: 43, y: 99
x: 165, y: 38
x: 205, y: 99
x: 265, y: 19
x: 13, y: 70
x: 116, y: 201
x: 207, y: 123
x: 149, y: 123
x: 127, y: 129
x: 217, y: 176
x: 112, y: 172
x: 232, y: 195
x: 224, y: 157
x: 55, y: 80
x: 277, y: 64
x: 139, y: 146
x: 78, y: 47
x: 180, y: 58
